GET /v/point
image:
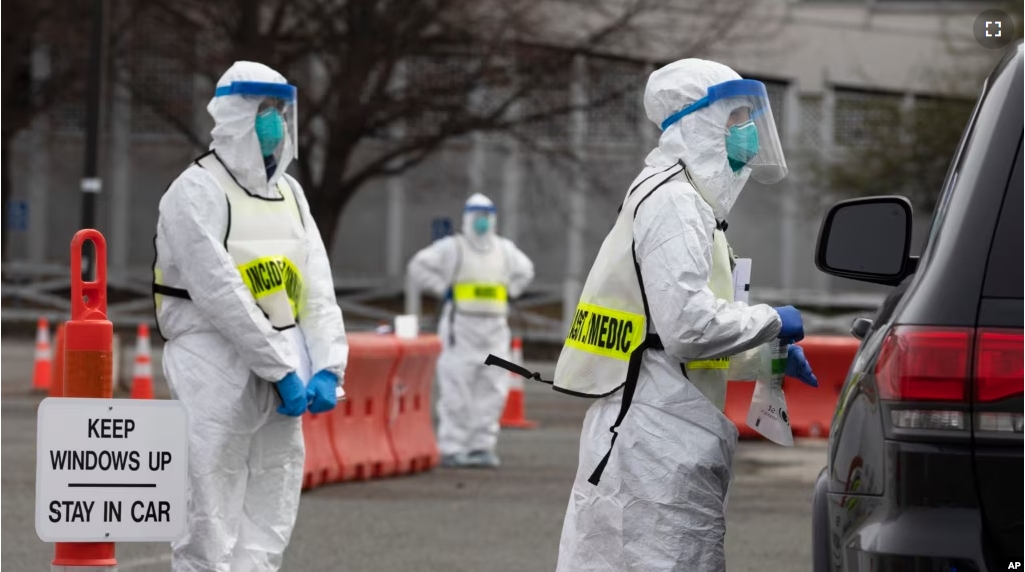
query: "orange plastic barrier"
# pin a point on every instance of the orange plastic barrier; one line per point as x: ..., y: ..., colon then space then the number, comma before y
x: 811, y: 409
x: 409, y: 425
x: 738, y: 401
x: 358, y: 426
x: 384, y: 426
x: 322, y: 465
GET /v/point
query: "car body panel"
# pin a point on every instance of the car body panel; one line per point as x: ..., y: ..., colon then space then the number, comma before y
x: 937, y: 500
x: 960, y: 247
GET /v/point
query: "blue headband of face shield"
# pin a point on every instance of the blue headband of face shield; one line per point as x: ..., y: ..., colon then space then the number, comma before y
x: 733, y: 88
x: 258, y: 88
x: 270, y: 127
x: 482, y: 218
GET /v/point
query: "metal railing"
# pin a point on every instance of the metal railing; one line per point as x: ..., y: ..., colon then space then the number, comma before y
x: 33, y: 291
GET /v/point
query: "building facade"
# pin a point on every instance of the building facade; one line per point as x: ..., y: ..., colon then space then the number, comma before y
x: 830, y: 66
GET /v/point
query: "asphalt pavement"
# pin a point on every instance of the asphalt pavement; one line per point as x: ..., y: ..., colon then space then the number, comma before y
x: 446, y: 520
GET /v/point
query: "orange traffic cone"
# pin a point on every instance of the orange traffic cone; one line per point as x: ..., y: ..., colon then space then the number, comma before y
x: 514, y: 416
x: 57, y: 377
x: 44, y: 357
x: 142, y: 377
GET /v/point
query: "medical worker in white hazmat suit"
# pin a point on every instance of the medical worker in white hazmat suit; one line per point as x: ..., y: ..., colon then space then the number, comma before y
x: 245, y: 299
x: 657, y: 332
x: 477, y: 272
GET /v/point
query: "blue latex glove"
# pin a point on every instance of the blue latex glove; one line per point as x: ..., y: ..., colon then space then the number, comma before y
x: 320, y: 393
x: 793, y: 328
x: 799, y: 368
x: 293, y: 395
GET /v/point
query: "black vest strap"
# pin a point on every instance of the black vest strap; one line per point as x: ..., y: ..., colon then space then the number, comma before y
x: 171, y: 291
x: 646, y: 179
x: 452, y: 322
x: 514, y: 368
x: 652, y: 343
x: 632, y: 373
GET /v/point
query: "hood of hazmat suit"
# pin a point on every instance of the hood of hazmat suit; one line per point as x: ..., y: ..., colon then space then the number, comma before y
x: 477, y: 272
x: 660, y: 503
x: 696, y: 117
x: 242, y: 92
x: 228, y: 237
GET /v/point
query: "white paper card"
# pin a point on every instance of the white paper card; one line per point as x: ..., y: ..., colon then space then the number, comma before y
x: 742, y: 280
x: 407, y: 326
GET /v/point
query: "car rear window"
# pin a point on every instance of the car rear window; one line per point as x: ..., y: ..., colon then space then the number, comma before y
x: 1004, y: 270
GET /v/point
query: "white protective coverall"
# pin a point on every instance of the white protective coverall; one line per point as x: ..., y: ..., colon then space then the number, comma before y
x: 222, y: 355
x: 660, y: 502
x: 471, y: 396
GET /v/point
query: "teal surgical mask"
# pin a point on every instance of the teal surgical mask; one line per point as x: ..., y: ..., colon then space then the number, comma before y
x: 270, y: 130
x: 741, y: 144
x: 481, y: 225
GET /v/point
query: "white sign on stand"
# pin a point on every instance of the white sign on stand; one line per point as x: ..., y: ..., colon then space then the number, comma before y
x: 111, y: 470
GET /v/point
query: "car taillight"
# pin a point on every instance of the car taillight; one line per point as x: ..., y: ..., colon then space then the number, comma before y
x: 926, y: 373
x: 925, y: 364
x: 998, y: 364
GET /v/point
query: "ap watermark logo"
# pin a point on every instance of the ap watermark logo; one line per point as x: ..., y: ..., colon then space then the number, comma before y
x: 994, y: 29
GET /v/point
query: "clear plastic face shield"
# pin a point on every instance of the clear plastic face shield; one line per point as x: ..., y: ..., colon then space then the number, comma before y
x: 482, y: 217
x: 749, y: 130
x: 276, y: 117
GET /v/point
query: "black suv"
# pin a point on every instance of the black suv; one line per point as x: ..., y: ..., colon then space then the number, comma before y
x: 925, y: 451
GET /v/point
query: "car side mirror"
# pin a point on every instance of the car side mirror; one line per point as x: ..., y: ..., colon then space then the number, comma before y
x: 867, y: 239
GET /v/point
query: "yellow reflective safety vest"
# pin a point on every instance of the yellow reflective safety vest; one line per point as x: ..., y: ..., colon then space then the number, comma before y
x: 710, y: 376
x: 266, y: 239
x: 481, y: 279
x: 609, y: 334
x: 609, y: 331
x: 610, y: 326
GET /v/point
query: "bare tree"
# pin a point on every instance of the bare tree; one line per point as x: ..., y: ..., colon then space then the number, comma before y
x: 893, y: 148
x: 33, y: 29
x: 386, y: 83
